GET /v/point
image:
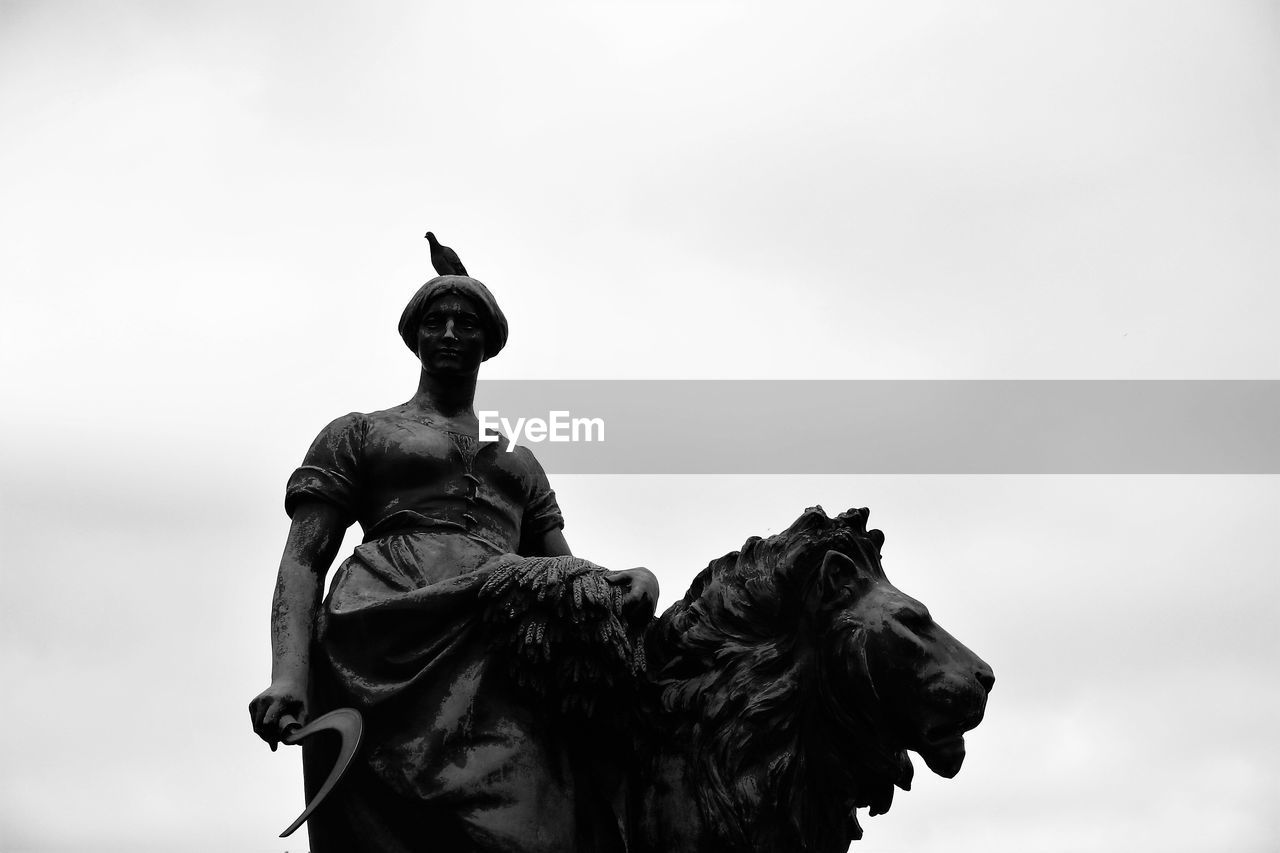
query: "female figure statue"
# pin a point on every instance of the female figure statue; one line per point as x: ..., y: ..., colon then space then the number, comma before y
x: 456, y: 757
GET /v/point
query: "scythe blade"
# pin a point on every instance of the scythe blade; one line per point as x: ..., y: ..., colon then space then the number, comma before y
x: 347, y: 723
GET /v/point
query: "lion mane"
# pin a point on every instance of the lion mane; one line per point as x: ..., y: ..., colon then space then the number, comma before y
x: 741, y: 670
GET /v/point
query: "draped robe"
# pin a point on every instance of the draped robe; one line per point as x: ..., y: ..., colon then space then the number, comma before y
x: 454, y: 757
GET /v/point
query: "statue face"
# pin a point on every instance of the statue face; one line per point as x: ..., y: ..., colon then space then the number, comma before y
x: 451, y: 337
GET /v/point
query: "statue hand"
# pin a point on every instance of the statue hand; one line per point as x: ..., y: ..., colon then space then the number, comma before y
x: 283, y: 697
x: 641, y: 596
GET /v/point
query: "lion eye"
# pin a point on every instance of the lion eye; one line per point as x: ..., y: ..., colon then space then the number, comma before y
x: 913, y: 619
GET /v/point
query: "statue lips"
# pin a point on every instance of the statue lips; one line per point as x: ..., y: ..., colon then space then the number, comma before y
x: 449, y: 359
x: 942, y: 746
x: 944, y: 756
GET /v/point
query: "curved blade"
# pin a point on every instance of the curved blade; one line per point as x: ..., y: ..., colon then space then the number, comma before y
x: 346, y: 722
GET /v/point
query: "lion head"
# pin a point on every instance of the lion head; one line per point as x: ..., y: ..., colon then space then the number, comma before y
x: 798, y: 677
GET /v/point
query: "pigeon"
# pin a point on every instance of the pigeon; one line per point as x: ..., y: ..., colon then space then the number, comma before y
x: 444, y: 259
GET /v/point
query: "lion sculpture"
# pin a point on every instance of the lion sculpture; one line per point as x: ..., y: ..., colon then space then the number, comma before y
x: 784, y: 691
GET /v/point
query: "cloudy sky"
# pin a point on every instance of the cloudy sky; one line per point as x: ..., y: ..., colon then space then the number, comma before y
x: 213, y: 217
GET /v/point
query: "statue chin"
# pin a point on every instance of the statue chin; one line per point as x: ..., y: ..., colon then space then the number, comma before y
x: 945, y: 757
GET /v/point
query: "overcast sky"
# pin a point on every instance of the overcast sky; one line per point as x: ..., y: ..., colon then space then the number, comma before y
x: 212, y: 217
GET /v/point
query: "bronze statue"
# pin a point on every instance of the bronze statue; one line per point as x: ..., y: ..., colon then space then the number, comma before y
x: 454, y: 750
x: 784, y: 692
x: 517, y: 698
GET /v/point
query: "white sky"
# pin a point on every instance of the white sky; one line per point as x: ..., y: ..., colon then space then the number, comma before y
x: 213, y: 216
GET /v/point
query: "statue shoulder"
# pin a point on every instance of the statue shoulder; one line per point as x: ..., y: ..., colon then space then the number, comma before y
x: 525, y: 458
x: 349, y: 428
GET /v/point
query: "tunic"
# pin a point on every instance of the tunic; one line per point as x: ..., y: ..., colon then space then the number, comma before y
x: 454, y: 756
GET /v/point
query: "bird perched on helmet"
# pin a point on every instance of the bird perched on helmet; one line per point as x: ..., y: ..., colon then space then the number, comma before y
x: 444, y: 259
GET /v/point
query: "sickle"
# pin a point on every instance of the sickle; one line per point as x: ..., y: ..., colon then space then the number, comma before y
x: 344, y: 721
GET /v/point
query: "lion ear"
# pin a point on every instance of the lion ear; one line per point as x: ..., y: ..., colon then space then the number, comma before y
x: 840, y: 572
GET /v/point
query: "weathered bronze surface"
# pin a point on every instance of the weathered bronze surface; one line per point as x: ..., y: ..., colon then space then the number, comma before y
x: 460, y: 749
x: 518, y: 698
x: 784, y: 691
x: 344, y: 722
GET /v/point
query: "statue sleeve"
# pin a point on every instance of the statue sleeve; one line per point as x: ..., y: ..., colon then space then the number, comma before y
x: 330, y: 471
x: 541, y: 512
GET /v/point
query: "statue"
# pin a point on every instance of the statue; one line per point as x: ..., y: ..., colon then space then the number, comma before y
x: 453, y: 750
x: 784, y: 691
x: 518, y: 698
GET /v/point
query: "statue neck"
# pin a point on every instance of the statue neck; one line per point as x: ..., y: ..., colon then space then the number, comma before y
x: 448, y: 396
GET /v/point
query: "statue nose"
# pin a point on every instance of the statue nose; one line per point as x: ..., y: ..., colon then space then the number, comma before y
x: 986, y: 678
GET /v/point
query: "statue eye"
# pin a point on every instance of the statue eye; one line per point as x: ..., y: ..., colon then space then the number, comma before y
x: 913, y: 619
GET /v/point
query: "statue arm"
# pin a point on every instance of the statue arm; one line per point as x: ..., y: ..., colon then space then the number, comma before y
x: 314, y: 539
x: 553, y: 544
x: 641, y: 597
